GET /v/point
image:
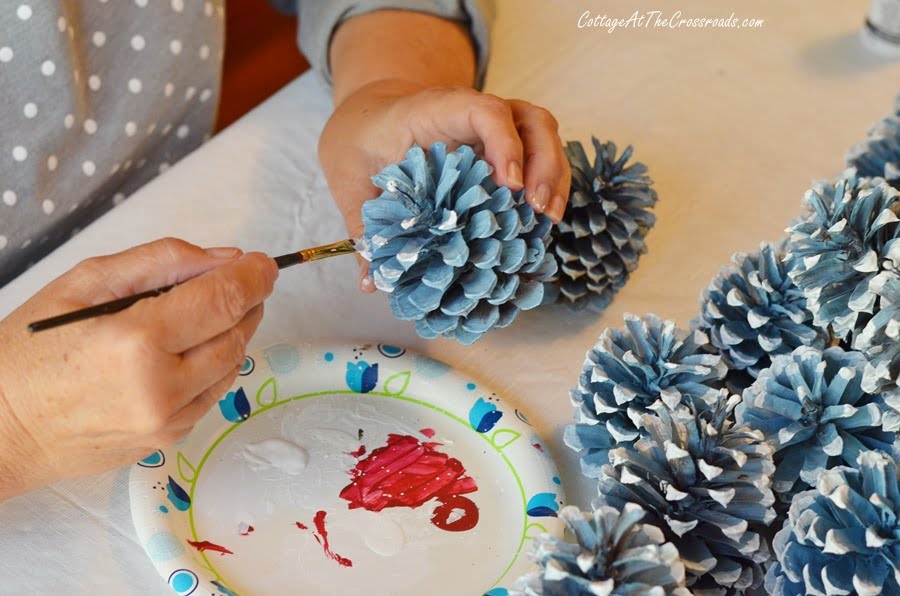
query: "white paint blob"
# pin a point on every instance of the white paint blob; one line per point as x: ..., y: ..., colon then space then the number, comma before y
x: 277, y: 454
x: 384, y: 536
x: 455, y: 516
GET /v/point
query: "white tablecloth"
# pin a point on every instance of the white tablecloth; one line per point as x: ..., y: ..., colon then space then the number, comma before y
x: 734, y: 125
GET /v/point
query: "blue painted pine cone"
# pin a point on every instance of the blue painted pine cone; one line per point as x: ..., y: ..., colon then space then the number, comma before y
x: 843, y: 537
x: 752, y: 311
x: 837, y: 251
x: 611, y: 553
x: 879, y: 155
x: 707, y: 484
x: 601, y: 235
x: 628, y: 372
x: 879, y: 340
x: 811, y: 407
x: 458, y: 255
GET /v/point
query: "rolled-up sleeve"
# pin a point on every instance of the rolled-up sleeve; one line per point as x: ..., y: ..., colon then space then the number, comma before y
x: 319, y: 20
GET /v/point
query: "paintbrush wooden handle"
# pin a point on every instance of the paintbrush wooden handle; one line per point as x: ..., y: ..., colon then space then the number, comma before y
x: 295, y: 258
x: 90, y: 312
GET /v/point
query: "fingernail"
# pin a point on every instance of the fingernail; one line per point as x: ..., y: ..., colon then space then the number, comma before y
x: 557, y: 209
x: 366, y: 284
x: 542, y: 196
x: 514, y: 173
x: 224, y: 252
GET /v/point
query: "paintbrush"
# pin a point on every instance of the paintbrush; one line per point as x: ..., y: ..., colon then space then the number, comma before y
x: 344, y: 247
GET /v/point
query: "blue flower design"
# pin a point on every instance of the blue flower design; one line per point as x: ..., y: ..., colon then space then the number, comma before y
x: 362, y: 377
x: 542, y: 505
x: 235, y: 406
x: 178, y: 496
x: 484, y: 415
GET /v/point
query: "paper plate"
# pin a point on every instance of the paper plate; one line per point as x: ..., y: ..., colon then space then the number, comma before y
x: 348, y: 470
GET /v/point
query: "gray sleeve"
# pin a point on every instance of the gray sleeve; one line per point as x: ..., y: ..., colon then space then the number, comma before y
x: 319, y: 19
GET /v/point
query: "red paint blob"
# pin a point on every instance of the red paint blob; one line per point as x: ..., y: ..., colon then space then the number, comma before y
x: 321, y: 536
x: 409, y: 473
x: 539, y: 447
x: 247, y: 532
x: 428, y: 432
x: 205, y: 545
x: 468, y: 520
x: 359, y: 452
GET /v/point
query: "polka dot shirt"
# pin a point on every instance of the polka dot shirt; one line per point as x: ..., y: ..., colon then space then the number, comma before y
x: 97, y: 97
x: 96, y: 101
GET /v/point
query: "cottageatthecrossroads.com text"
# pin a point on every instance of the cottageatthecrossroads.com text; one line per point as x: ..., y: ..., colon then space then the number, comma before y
x: 656, y: 19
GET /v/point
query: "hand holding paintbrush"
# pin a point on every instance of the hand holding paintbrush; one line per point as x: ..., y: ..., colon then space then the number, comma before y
x: 113, y: 306
x: 106, y: 392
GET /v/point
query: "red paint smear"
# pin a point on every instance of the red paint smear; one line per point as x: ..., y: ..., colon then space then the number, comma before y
x: 408, y: 473
x: 428, y: 432
x: 538, y: 447
x: 359, y: 452
x: 321, y: 536
x: 247, y: 533
x: 205, y: 545
x: 441, y: 516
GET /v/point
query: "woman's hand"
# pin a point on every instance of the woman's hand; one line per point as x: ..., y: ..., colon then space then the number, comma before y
x: 403, y: 77
x: 377, y: 124
x: 108, y: 391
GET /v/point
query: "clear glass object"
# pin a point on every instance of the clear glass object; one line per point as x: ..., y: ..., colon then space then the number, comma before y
x: 881, y: 32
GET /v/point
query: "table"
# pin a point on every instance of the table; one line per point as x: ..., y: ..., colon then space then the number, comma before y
x: 734, y: 125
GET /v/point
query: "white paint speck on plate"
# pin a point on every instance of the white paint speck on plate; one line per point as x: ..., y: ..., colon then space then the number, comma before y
x: 277, y: 454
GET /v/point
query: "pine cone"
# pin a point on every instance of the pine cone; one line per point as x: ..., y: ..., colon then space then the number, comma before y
x: 843, y: 537
x: 601, y: 235
x: 708, y: 485
x: 753, y: 311
x: 612, y: 554
x: 628, y: 372
x: 811, y: 407
x: 459, y: 255
x: 879, y: 340
x: 837, y: 252
x: 879, y: 155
